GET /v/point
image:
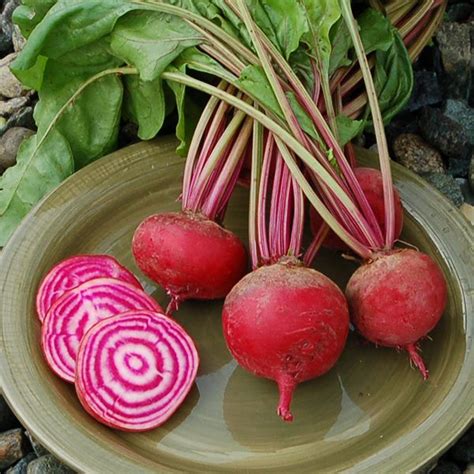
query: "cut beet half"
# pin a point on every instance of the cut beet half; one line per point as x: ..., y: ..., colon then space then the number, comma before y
x: 74, y: 271
x: 78, y: 310
x: 134, y: 370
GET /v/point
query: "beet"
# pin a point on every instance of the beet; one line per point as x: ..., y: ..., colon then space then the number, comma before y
x: 189, y: 255
x: 78, y: 310
x: 72, y: 272
x: 370, y: 181
x: 135, y: 369
x: 288, y: 323
x: 397, y: 299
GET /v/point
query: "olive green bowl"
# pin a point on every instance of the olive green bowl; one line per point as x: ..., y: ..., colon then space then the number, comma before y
x: 371, y: 413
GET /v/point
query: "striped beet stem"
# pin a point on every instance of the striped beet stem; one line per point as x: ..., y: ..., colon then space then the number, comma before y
x: 134, y: 370
x: 74, y: 271
x: 78, y: 310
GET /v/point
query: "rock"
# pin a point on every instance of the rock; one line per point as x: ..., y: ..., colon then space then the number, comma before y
x: 463, y: 450
x: 447, y: 185
x: 444, y: 134
x: 11, y: 106
x: 458, y: 168
x: 459, y: 12
x: 454, y: 40
x: 21, y: 466
x: 6, y: 27
x: 426, y: 91
x: 10, y: 86
x: 18, y: 39
x: 22, y: 118
x: 466, y: 190
x: 415, y: 154
x: 471, y: 174
x: 446, y: 467
x: 12, y: 447
x: 470, y: 468
x: 402, y: 123
x: 7, y: 418
x: 37, y: 448
x: 461, y: 113
x: 9, y: 144
x: 48, y: 465
x: 468, y: 212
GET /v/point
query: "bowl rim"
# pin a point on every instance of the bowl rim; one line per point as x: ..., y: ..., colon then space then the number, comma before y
x: 445, y: 426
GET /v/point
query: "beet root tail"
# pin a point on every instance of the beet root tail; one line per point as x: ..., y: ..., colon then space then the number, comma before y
x: 286, y: 386
x: 173, y: 305
x: 417, y: 360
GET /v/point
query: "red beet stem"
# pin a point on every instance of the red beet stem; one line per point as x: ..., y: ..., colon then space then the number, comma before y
x: 417, y: 360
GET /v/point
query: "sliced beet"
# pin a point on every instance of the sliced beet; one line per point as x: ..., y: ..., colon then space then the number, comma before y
x: 78, y: 310
x: 74, y: 271
x: 135, y: 369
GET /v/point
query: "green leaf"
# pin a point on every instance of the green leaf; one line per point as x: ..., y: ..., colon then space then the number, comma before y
x: 303, y: 118
x: 393, y: 79
x: 69, y: 25
x: 199, y: 61
x: 41, y: 166
x: 91, y: 123
x: 188, y: 112
x: 253, y: 80
x: 341, y: 45
x: 376, y: 31
x: 348, y: 129
x: 283, y: 21
x: 145, y: 105
x: 30, y: 13
x: 322, y: 15
x: 151, y: 41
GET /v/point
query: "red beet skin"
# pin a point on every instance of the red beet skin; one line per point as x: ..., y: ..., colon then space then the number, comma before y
x: 190, y: 256
x: 287, y: 323
x: 397, y: 299
x: 371, y: 183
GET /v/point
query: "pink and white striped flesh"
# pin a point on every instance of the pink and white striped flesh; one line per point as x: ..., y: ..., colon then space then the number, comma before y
x: 78, y: 310
x: 134, y: 370
x: 74, y: 271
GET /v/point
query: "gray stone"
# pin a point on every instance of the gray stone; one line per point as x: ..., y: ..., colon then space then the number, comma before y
x: 463, y: 450
x: 466, y: 190
x: 11, y: 106
x: 471, y: 175
x: 446, y: 467
x: 12, y: 447
x: 7, y: 418
x: 9, y: 144
x: 448, y: 136
x: 415, y: 154
x: 454, y: 40
x: 426, y: 91
x: 48, y: 465
x: 6, y: 26
x: 18, y: 39
x: 459, y: 12
x: 37, y: 447
x: 461, y: 113
x: 448, y: 186
x: 22, y: 118
x: 21, y: 466
x: 10, y: 86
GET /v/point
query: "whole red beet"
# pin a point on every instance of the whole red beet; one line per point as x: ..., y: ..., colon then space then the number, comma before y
x: 397, y: 299
x: 288, y: 323
x: 189, y: 255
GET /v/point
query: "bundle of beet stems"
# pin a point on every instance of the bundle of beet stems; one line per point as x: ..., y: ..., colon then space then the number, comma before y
x: 285, y: 321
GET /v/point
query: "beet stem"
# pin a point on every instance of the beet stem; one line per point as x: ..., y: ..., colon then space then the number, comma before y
x: 417, y: 360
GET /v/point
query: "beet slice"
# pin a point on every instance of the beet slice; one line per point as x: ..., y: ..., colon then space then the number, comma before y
x: 78, y: 310
x: 135, y: 369
x: 74, y: 271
